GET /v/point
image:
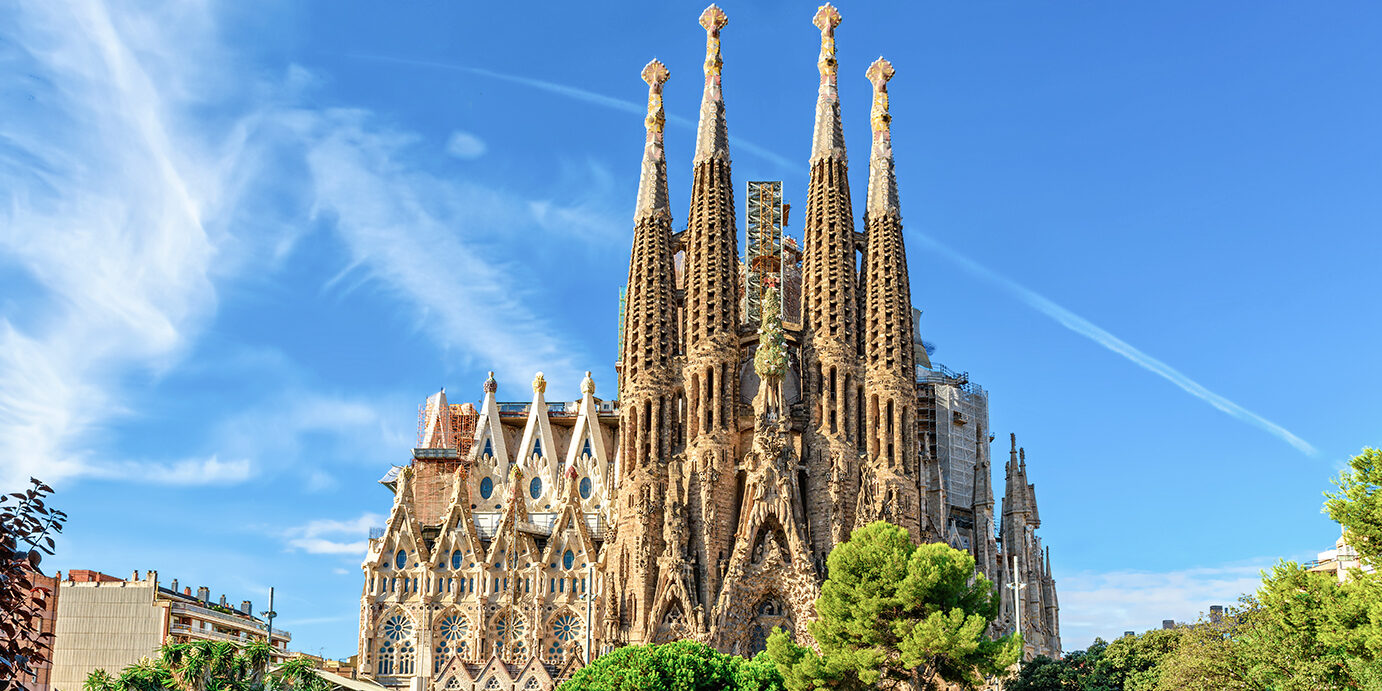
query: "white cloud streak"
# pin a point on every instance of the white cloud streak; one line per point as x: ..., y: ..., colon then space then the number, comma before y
x: 102, y: 212
x: 1085, y: 328
x: 323, y: 536
x: 1110, y: 603
x: 585, y: 96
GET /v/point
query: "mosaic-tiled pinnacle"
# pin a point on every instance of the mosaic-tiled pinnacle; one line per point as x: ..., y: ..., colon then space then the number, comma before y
x: 882, y: 180
x: 652, y: 181
x: 712, y: 136
x: 828, y: 137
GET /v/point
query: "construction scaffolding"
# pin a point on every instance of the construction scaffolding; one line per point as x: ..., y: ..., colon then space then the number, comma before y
x: 763, y: 258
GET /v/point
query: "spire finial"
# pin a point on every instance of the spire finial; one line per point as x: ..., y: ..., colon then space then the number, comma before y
x: 827, y: 139
x: 539, y: 384
x: 712, y: 136
x: 588, y: 384
x: 713, y: 19
x: 826, y: 19
x: 878, y: 74
x: 491, y: 385
x: 655, y: 74
x: 652, y: 183
x: 882, y: 179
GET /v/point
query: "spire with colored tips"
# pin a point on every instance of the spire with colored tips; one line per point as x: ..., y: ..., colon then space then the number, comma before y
x: 712, y: 136
x: 882, y: 179
x: 828, y: 139
x: 652, y: 182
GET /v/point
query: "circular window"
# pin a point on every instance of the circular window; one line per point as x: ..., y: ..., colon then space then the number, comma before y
x: 401, y: 560
x: 397, y: 627
x: 568, y: 559
x: 585, y: 488
x: 486, y: 487
x: 456, y: 559
x: 535, y: 488
x: 454, y: 627
x: 566, y: 627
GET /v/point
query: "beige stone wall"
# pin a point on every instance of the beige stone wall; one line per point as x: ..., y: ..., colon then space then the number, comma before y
x: 104, y: 626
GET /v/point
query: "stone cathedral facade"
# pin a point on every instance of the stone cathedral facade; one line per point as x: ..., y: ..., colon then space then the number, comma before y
x: 528, y: 537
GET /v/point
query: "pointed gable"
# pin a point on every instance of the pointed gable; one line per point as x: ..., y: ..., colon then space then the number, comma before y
x: 537, y: 453
x: 587, y: 454
x: 436, y: 432
x: 489, y: 458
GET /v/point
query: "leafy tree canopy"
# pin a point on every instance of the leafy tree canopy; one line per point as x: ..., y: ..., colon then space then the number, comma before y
x: 676, y: 666
x: 1357, y: 505
x: 893, y: 614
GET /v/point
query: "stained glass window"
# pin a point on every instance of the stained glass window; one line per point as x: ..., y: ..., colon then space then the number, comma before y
x: 568, y: 559
x: 585, y: 488
x: 535, y: 487
x: 456, y: 559
x: 401, y: 560
x: 486, y: 488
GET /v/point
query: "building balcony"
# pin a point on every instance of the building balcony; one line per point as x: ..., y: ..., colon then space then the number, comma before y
x: 229, y: 620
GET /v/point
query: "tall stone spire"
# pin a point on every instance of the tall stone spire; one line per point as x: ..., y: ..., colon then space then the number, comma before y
x: 712, y: 136
x: 647, y: 382
x: 710, y: 374
x: 882, y: 181
x: 889, y: 372
x: 828, y: 139
x: 831, y: 382
x: 652, y: 181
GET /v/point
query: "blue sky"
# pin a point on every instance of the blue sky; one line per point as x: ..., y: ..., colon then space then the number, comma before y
x: 241, y: 242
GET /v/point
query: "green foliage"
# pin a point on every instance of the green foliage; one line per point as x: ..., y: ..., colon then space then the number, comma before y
x: 1076, y: 671
x: 1133, y: 663
x: 893, y: 615
x: 210, y: 666
x: 677, y: 666
x: 1357, y: 506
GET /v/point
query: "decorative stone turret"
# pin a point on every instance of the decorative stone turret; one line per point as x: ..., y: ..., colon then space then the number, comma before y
x: 710, y: 375
x: 647, y: 381
x: 831, y: 380
x: 894, y: 482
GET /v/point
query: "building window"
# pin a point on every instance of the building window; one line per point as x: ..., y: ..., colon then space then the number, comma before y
x: 535, y: 487
x: 586, y: 449
x: 508, y: 637
x: 486, y: 488
x: 451, y: 635
x: 401, y: 560
x: 585, y: 486
x: 566, y: 632
x: 456, y: 559
x: 396, y: 654
x: 537, y: 446
x: 568, y: 559
x: 489, y: 447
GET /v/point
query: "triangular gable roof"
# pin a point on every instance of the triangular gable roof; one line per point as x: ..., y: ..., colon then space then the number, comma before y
x: 539, y: 426
x: 453, y: 667
x: 437, y: 432
x: 569, y: 515
x: 515, y: 511
x: 574, y: 662
x: 488, y: 425
x: 587, y: 426
x: 494, y: 668
x: 533, y: 670
x: 402, y: 523
x: 458, y: 530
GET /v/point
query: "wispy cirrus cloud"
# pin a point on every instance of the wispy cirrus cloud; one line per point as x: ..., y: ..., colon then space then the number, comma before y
x: 333, y: 536
x: 103, y: 217
x: 125, y: 211
x: 585, y: 96
x: 1106, y: 604
x: 1089, y: 330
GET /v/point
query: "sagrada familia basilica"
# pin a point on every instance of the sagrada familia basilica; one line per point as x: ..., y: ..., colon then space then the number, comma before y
x: 766, y: 407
